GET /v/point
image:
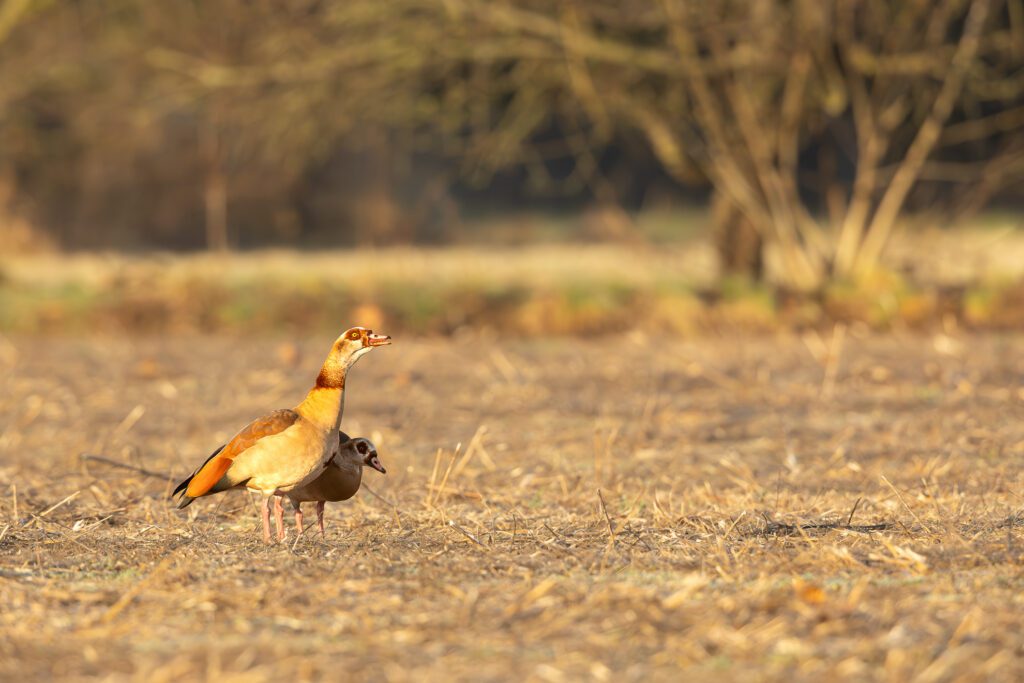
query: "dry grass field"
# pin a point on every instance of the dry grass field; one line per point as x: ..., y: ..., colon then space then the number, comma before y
x: 620, y: 509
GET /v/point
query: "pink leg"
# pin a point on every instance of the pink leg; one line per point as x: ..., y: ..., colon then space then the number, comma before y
x: 279, y: 517
x: 298, y: 516
x: 265, y: 507
x: 320, y: 517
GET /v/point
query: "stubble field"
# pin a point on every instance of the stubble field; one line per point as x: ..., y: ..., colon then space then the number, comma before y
x: 624, y: 508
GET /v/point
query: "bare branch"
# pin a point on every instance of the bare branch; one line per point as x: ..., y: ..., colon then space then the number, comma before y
x: 927, y: 136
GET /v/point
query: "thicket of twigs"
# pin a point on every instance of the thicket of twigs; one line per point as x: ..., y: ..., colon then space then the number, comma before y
x: 822, y: 125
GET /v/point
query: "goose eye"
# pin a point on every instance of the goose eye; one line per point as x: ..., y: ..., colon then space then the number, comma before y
x: 361, y: 448
x: 353, y: 334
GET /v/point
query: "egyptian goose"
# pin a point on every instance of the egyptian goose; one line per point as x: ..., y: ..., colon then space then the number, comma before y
x: 287, y: 448
x: 339, y: 481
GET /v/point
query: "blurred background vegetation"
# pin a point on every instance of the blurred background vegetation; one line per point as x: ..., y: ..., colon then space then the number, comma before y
x: 794, y: 160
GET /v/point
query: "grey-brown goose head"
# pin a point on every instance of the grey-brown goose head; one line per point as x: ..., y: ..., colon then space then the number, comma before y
x: 359, y: 452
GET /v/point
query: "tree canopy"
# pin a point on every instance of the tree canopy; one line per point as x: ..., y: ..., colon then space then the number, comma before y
x: 822, y: 123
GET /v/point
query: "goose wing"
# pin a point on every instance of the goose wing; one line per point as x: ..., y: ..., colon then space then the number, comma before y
x: 205, y: 479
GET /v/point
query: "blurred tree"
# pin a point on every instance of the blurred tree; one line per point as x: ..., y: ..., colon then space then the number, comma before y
x: 282, y: 84
x: 743, y: 91
x: 172, y: 112
x: 12, y: 12
x: 818, y: 123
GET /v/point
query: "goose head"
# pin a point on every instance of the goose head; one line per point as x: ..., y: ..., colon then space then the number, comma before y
x: 359, y: 452
x: 347, y: 349
x: 358, y: 341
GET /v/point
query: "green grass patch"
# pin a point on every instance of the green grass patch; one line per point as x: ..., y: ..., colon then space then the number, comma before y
x: 531, y: 293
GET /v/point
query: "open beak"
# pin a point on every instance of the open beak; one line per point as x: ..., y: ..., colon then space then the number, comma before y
x: 377, y: 339
x: 375, y: 464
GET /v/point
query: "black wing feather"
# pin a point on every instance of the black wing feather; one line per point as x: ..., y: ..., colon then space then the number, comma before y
x: 184, y: 484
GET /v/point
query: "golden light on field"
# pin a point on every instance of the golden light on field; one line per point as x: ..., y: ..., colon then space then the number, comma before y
x: 614, y: 508
x: 708, y: 324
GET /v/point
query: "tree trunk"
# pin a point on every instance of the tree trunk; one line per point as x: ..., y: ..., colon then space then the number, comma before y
x: 215, y: 189
x: 739, y: 245
x: 215, y: 198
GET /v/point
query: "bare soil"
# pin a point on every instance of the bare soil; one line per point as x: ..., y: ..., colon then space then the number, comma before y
x: 626, y: 509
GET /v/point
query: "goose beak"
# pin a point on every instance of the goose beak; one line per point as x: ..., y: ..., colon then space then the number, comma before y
x: 374, y: 462
x: 377, y: 339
